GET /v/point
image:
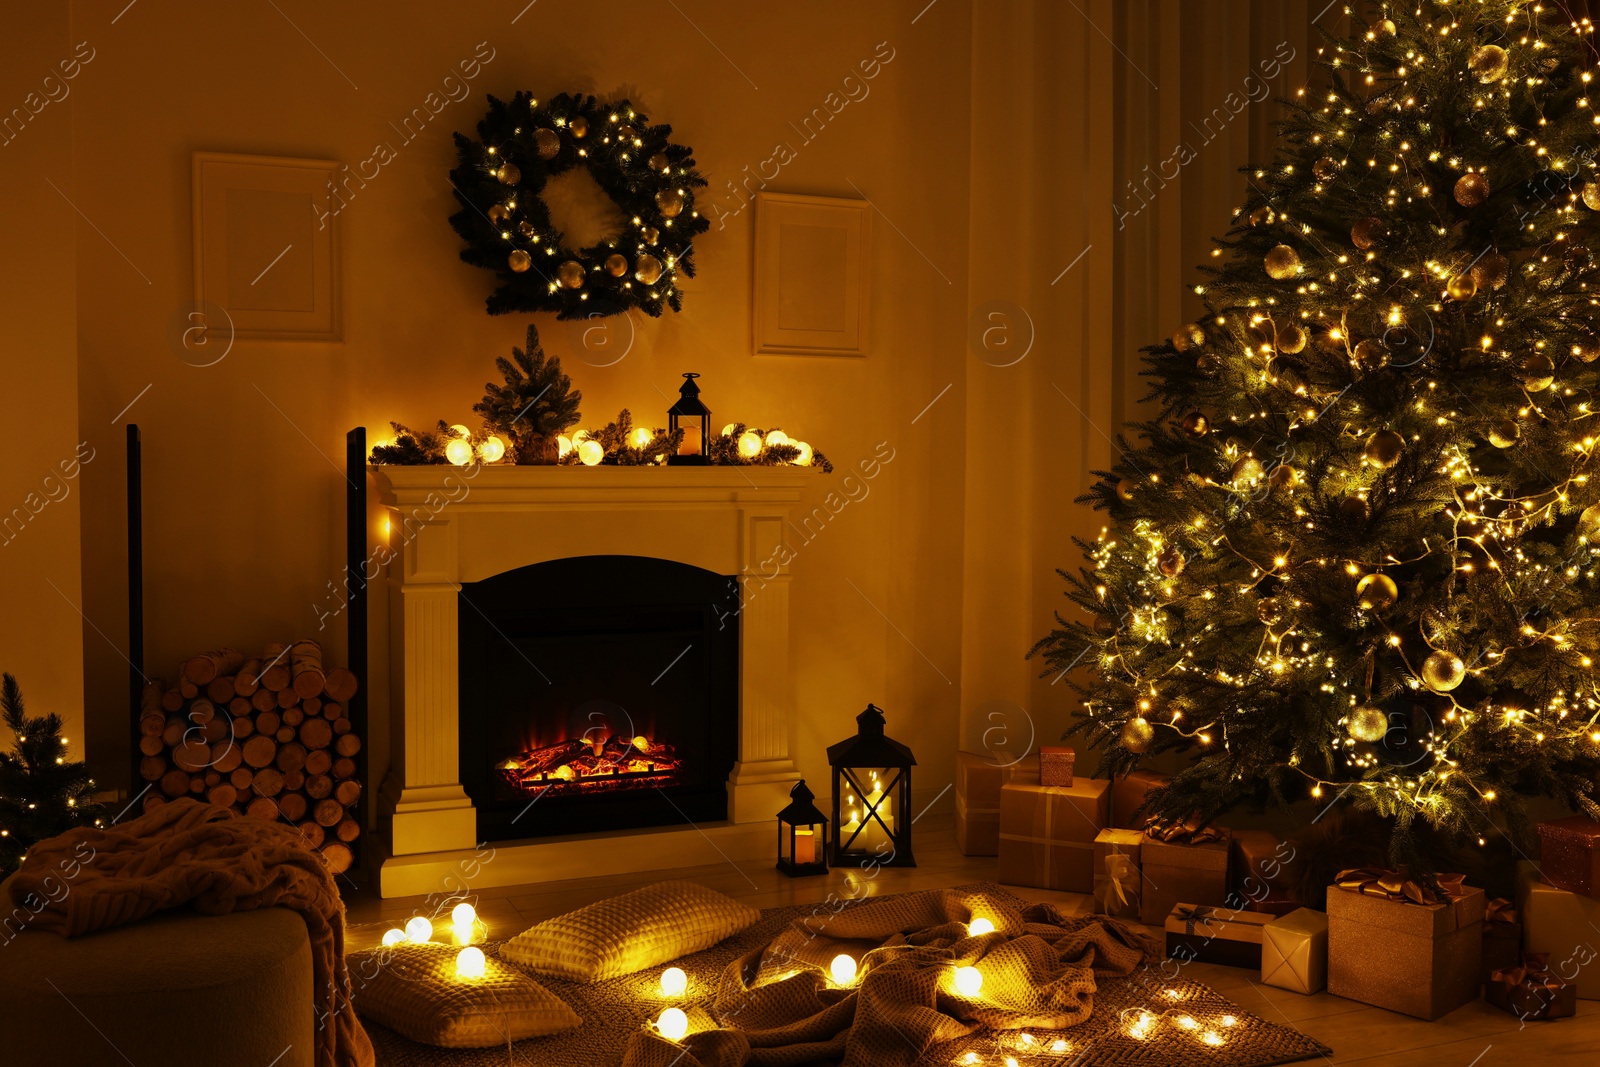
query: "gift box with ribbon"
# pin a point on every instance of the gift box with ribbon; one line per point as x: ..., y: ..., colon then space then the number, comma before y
x: 1561, y: 926
x: 1056, y: 764
x: 1215, y: 935
x: 1128, y: 793
x: 1260, y: 876
x: 1569, y: 854
x: 1394, y: 943
x: 1502, y: 936
x: 1182, y: 862
x: 1116, y: 873
x: 1294, y: 951
x: 978, y: 781
x: 1047, y: 833
x: 1530, y: 992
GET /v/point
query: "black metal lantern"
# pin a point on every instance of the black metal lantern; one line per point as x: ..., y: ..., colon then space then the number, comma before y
x: 802, y: 835
x: 694, y: 418
x: 871, y: 796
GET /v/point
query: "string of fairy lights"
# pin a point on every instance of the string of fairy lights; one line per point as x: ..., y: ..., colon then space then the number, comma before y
x: 1309, y: 293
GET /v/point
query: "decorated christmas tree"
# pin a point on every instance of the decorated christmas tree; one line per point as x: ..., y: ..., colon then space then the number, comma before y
x: 534, y: 405
x: 42, y: 792
x: 1354, y: 556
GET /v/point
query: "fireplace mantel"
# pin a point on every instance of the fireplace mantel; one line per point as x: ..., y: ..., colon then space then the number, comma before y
x: 450, y: 525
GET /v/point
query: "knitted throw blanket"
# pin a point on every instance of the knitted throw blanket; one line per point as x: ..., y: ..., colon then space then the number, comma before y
x: 189, y: 853
x: 777, y: 1007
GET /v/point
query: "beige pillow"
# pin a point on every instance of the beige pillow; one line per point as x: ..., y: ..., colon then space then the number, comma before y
x: 414, y: 991
x: 629, y: 933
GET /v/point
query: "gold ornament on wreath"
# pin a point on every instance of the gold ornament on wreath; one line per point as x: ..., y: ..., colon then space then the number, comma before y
x: 499, y: 179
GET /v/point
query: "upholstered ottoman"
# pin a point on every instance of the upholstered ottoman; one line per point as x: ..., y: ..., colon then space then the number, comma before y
x: 176, y: 989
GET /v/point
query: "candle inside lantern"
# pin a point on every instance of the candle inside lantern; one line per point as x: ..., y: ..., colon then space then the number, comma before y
x: 805, y: 846
x: 691, y: 437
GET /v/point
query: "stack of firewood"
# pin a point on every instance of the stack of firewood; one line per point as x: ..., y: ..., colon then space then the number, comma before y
x: 269, y: 737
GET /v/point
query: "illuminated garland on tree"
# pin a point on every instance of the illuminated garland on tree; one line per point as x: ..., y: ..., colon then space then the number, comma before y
x: 499, y: 182
x: 42, y: 792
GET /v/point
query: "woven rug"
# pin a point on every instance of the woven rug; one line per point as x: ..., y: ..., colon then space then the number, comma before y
x: 1181, y: 1022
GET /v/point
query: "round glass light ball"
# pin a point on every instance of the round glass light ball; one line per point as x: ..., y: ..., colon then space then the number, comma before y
x: 750, y: 444
x: 463, y: 914
x: 393, y: 937
x: 458, y: 451
x: 804, y: 458
x: 419, y: 929
x: 969, y: 981
x: 493, y: 450
x: 470, y: 962
x: 843, y: 969
x: 674, y: 982
x: 777, y: 437
x: 673, y: 1024
x: 590, y: 453
x: 978, y: 927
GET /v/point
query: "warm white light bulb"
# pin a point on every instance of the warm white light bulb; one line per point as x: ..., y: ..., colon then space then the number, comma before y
x: 978, y: 927
x: 591, y: 453
x: 804, y: 458
x: 673, y: 1024
x: 579, y: 438
x: 563, y: 446
x: 674, y: 982
x: 750, y: 444
x: 843, y: 968
x: 463, y: 914
x: 460, y: 430
x: 493, y: 450
x: 393, y: 937
x: 419, y: 929
x: 458, y: 451
x: 639, y: 437
x: 470, y: 962
x: 969, y: 981
x: 777, y: 437
x: 727, y: 431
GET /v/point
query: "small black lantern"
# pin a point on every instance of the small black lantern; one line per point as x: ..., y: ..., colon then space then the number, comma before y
x: 802, y: 835
x: 871, y: 796
x: 694, y: 418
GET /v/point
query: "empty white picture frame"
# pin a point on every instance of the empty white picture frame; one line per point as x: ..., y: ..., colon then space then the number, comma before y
x: 813, y: 265
x: 266, y: 245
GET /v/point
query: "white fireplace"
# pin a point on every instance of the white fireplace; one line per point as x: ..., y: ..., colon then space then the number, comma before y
x: 449, y: 525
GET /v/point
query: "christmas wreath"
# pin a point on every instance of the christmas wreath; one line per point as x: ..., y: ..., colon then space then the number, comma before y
x: 499, y: 182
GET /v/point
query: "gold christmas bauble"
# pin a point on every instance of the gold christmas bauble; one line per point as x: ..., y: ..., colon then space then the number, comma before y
x: 1489, y: 63
x: 1190, y: 335
x: 616, y: 265
x: 650, y: 235
x: 579, y: 127
x: 519, y: 260
x: 1472, y: 190
x: 1376, y: 592
x: 626, y: 133
x: 1383, y: 448
x: 659, y: 161
x: 1443, y: 671
x: 1282, y: 262
x: 508, y: 173
x: 1283, y: 476
x: 647, y: 269
x: 1270, y: 610
x: 1195, y: 424
x: 1367, y: 723
x: 1385, y: 28
x: 1537, y: 372
x: 1105, y: 625
x: 1124, y: 490
x: 1324, y: 169
x: 1505, y: 433
x: 1292, y: 339
x: 1247, y: 471
x: 1208, y: 363
x: 1589, y: 523
x: 1368, y: 232
x: 498, y: 213
x: 1591, y: 195
x: 1355, y: 509
x: 1491, y: 270
x: 526, y: 229
x: 1137, y: 734
x: 1262, y: 216
x: 1170, y: 562
x: 1586, y: 351
x: 669, y: 202
x: 1462, y: 286
x: 1371, y: 355
x: 570, y: 274
x: 547, y: 143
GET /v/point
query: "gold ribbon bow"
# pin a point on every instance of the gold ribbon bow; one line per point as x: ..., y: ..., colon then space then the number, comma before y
x: 1530, y: 988
x: 1397, y: 886
x: 1187, y: 832
x: 1190, y: 914
x: 1500, y: 910
x: 1122, y: 879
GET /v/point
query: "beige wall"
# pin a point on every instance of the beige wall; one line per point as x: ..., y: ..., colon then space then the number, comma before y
x: 42, y: 472
x: 994, y: 145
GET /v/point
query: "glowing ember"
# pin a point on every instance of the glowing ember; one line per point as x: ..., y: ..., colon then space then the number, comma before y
x: 594, y: 764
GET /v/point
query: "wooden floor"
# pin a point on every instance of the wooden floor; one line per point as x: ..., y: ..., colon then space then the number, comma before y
x: 1474, y: 1036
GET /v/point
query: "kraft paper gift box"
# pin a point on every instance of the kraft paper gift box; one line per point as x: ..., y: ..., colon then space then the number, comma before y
x: 1190, y: 873
x: 1294, y: 951
x: 1047, y: 833
x: 1261, y: 880
x: 1127, y: 793
x: 1117, y: 879
x: 1423, y: 960
x: 1561, y: 926
x: 1216, y: 935
x: 978, y: 781
x: 1568, y: 854
x: 1056, y: 764
x: 1530, y: 992
x: 977, y: 832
